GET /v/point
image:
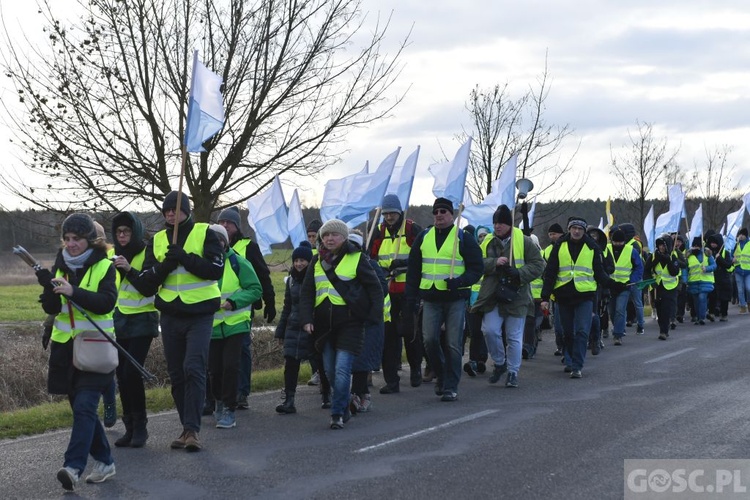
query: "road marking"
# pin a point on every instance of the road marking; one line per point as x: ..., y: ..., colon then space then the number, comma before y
x: 461, y: 420
x: 670, y: 355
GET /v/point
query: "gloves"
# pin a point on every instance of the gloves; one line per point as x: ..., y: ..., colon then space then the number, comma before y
x: 258, y: 304
x: 453, y: 283
x: 175, y: 253
x: 46, y: 335
x: 617, y: 287
x: 44, y: 277
x: 270, y: 311
x: 512, y: 273
x: 396, y: 263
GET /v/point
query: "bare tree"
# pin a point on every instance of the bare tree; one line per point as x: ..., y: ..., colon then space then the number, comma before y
x: 105, y: 103
x: 715, y: 183
x: 643, y: 166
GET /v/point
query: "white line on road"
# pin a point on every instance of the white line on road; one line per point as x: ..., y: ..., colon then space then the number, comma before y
x: 670, y: 355
x: 461, y: 420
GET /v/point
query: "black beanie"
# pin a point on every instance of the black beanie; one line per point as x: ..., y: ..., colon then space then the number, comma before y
x: 555, y: 228
x: 81, y: 225
x: 697, y: 242
x: 303, y: 251
x: 502, y: 216
x: 231, y: 214
x: 170, y: 202
x: 618, y: 236
x: 742, y: 232
x: 314, y: 226
x: 443, y: 203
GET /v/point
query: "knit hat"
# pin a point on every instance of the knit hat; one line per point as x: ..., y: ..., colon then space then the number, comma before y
x: 170, y: 202
x: 502, y: 216
x: 334, y: 226
x: 482, y: 230
x: 221, y: 232
x: 443, y: 203
x: 100, y: 231
x: 535, y: 240
x: 618, y: 236
x: 390, y: 204
x: 697, y: 242
x: 303, y: 251
x: 743, y: 232
x: 80, y: 225
x: 231, y: 214
x: 314, y: 226
x: 555, y: 228
x: 577, y: 221
x: 468, y: 228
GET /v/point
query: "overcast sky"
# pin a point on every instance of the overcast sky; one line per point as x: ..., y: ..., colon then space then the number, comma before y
x: 681, y: 65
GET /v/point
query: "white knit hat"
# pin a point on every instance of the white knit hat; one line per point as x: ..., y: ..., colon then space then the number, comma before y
x: 334, y: 226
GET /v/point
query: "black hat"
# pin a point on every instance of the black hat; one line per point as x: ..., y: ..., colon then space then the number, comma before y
x: 697, y: 242
x: 743, y: 232
x: 470, y: 229
x: 502, y: 216
x: 443, y: 203
x: 618, y: 236
x: 81, y: 225
x: 303, y: 251
x: 170, y: 202
x: 555, y: 228
x: 313, y: 226
x: 231, y: 214
x: 577, y: 221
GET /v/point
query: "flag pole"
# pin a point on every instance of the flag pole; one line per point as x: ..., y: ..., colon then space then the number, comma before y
x: 372, y: 227
x: 179, y: 194
x: 455, y: 240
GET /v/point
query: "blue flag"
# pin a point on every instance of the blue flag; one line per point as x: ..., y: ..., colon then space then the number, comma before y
x: 205, y: 107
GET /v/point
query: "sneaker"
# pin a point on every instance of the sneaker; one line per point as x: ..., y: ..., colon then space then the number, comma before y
x: 242, y: 403
x: 179, y: 443
x: 672, y: 325
x: 639, y: 331
x: 471, y: 368
x: 662, y: 336
x: 605, y: 333
x: 101, y: 472
x: 710, y: 317
x: 512, y: 380
x: 481, y: 367
x: 449, y: 396
x: 337, y: 422
x: 227, y: 420
x: 701, y: 322
x: 497, y: 372
x: 415, y: 378
x: 680, y: 319
x: 218, y: 412
x: 68, y: 477
x: 191, y: 441
x: 208, y: 408
x: 390, y: 389
x: 743, y: 309
x: 110, y: 415
x: 567, y: 369
x: 558, y: 352
x: 428, y: 376
x: 618, y: 341
x: 628, y: 324
x: 315, y: 379
x: 576, y: 374
x: 354, y: 403
x: 595, y: 349
x: 723, y: 318
x: 365, y: 403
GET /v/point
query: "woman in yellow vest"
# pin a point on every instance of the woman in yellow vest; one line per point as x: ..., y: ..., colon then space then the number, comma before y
x: 340, y: 293
x: 718, y: 300
x: 700, y: 278
x: 663, y: 266
x: 83, y: 274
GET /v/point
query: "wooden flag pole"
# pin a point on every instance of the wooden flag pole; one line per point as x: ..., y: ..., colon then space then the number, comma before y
x: 179, y: 195
x: 372, y: 227
x: 455, y: 240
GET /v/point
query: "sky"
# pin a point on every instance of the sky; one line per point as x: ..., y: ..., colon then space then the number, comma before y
x: 682, y: 66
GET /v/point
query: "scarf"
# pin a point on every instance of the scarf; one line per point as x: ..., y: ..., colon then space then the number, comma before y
x: 76, y: 263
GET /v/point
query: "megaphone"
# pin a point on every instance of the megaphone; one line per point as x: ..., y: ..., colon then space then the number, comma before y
x: 524, y: 187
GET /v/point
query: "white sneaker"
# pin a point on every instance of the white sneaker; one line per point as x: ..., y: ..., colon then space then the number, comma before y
x: 101, y: 472
x: 314, y: 380
x: 68, y: 477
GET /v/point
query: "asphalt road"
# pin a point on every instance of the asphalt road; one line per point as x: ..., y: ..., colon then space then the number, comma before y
x: 553, y: 437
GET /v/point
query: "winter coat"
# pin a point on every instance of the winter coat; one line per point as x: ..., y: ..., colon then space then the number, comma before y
x: 297, y: 342
x: 722, y: 276
x: 249, y: 291
x: 701, y: 286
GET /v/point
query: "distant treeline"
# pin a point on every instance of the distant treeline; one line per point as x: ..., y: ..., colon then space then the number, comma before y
x: 40, y: 231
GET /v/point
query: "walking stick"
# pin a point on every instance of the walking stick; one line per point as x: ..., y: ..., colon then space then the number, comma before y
x: 31, y: 261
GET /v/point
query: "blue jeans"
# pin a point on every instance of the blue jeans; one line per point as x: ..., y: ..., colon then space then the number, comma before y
x: 636, y: 295
x: 700, y: 300
x: 618, y: 311
x: 557, y: 326
x: 492, y: 325
x: 87, y: 435
x: 743, y: 288
x: 186, y: 340
x: 576, y: 322
x: 246, y: 366
x: 434, y: 315
x: 337, y: 364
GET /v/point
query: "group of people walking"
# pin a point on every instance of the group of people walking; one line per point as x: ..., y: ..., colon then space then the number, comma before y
x: 351, y: 306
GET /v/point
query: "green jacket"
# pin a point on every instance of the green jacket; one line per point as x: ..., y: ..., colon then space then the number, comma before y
x: 249, y: 291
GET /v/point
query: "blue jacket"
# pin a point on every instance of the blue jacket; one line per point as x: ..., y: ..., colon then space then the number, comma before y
x: 700, y: 286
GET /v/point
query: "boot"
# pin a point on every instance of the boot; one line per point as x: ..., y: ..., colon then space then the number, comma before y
x: 126, y: 439
x: 140, y: 434
x: 288, y: 405
x: 326, y: 400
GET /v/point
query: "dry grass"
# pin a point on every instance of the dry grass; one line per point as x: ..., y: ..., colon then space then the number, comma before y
x: 14, y: 271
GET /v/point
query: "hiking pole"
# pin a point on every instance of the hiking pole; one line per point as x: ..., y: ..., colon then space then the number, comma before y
x: 31, y: 261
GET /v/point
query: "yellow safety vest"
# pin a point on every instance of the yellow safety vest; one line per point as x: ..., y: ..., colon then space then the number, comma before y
x: 230, y: 283
x: 180, y: 283
x: 66, y: 328
x: 346, y: 270
x: 518, y: 244
x: 387, y: 251
x: 623, y: 264
x: 725, y: 255
x: 130, y: 300
x: 695, y: 273
x: 436, y: 264
x: 663, y: 277
x: 581, y: 271
x: 743, y: 256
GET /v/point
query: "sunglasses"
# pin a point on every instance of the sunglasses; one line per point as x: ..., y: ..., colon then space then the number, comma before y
x: 440, y: 211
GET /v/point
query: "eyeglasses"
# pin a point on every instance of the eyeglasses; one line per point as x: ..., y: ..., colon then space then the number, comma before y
x: 440, y: 211
x: 124, y: 231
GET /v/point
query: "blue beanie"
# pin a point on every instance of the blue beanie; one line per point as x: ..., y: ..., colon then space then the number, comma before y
x: 390, y: 204
x: 303, y: 251
x: 231, y: 214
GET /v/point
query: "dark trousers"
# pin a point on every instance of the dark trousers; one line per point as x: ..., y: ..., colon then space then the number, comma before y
x: 400, y: 332
x: 129, y: 380
x: 186, y: 340
x: 224, y: 368
x: 359, y: 383
x: 291, y: 373
x: 473, y: 333
x: 666, y: 305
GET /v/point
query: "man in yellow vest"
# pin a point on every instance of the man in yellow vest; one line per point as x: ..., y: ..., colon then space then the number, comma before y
x: 741, y: 261
x: 663, y: 266
x: 574, y: 270
x: 628, y: 270
x: 443, y: 265
x: 511, y: 260
x: 184, y: 276
x: 390, y: 246
x: 247, y: 248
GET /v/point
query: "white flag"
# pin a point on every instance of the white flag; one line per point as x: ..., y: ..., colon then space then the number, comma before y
x: 402, y: 179
x: 696, y: 225
x: 335, y: 194
x: 648, y: 229
x: 296, y: 222
x: 268, y: 217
